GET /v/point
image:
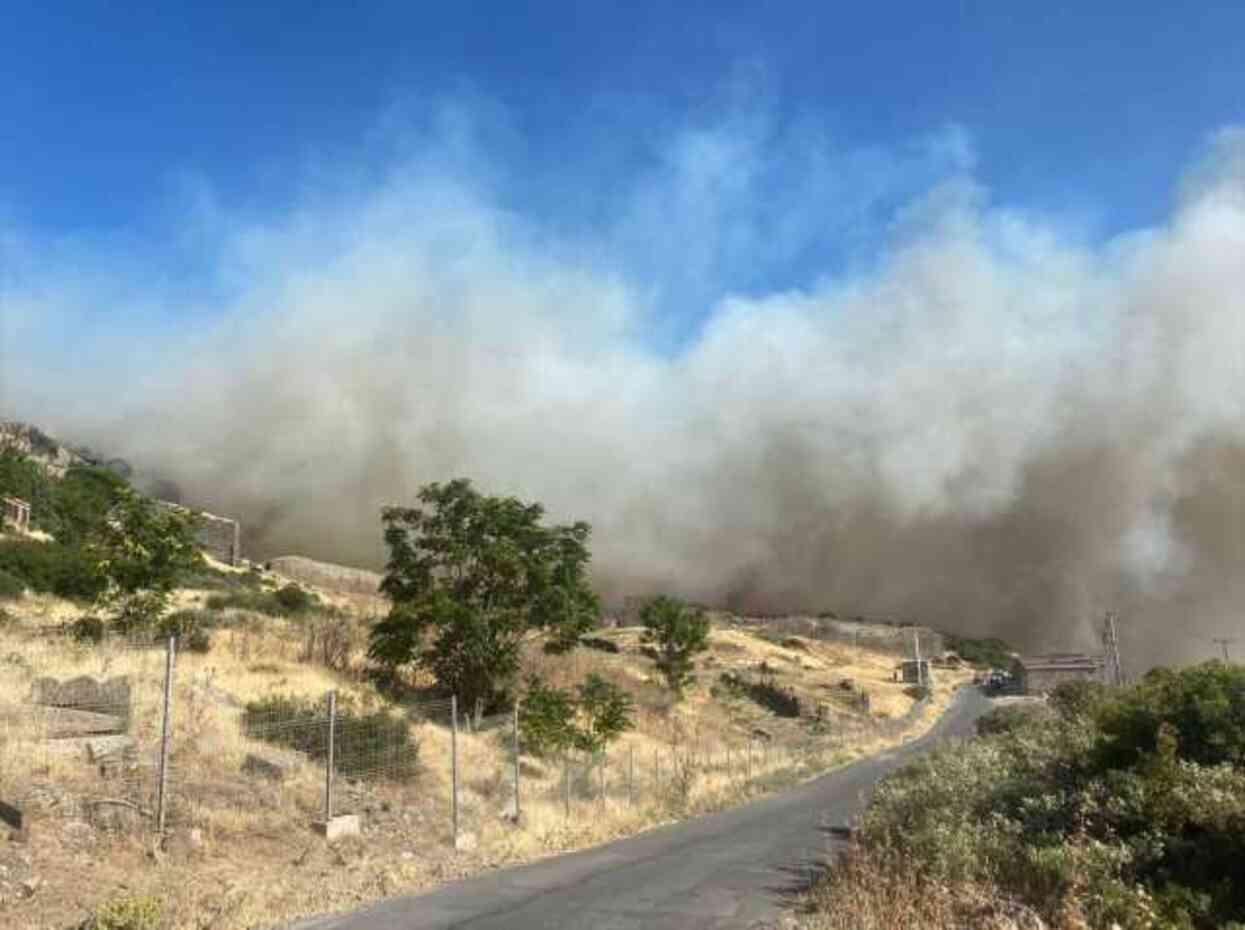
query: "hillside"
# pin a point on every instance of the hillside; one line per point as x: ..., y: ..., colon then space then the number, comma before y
x: 228, y: 827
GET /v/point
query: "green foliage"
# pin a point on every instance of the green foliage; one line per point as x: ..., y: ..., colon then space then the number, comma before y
x: 82, y: 502
x: 678, y: 633
x: 51, y: 568
x: 87, y: 630
x: 193, y: 629
x: 289, y: 601
x: 127, y: 912
x: 294, y: 600
x: 1119, y: 802
x: 546, y: 719
x: 21, y: 477
x: 553, y: 720
x: 11, y: 587
x: 988, y: 653
x: 1006, y: 719
x: 142, y: 547
x: 765, y: 692
x: 606, y: 711
x: 1204, y: 706
x: 138, y: 614
x: 468, y: 576
x: 364, y: 744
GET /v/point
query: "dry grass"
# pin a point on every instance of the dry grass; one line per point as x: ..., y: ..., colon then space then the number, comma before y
x: 869, y: 891
x: 240, y: 852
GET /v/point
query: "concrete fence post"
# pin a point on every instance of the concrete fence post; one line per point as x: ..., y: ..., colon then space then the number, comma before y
x: 166, y: 734
x: 566, y: 782
x: 454, y: 768
x: 329, y: 757
x: 604, y: 762
x: 748, y: 776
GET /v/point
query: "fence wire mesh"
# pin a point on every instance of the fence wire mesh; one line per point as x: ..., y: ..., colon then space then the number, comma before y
x: 81, y: 730
x: 83, y: 727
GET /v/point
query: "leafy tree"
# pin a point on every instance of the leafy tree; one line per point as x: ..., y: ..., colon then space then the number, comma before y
x: 139, y: 551
x: 678, y: 632
x: 468, y: 576
x: 605, y: 711
x: 546, y: 718
x: 553, y: 720
x: 82, y: 502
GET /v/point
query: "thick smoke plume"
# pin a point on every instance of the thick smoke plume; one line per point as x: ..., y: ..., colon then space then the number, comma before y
x: 999, y: 426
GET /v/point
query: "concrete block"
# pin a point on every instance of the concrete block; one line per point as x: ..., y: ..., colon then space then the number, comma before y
x: 337, y: 827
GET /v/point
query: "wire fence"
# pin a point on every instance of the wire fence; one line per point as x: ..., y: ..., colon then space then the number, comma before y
x: 114, y: 734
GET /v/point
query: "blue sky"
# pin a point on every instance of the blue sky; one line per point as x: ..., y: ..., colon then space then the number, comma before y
x: 115, y: 116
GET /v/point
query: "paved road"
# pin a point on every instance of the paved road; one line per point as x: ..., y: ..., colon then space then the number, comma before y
x: 735, y: 869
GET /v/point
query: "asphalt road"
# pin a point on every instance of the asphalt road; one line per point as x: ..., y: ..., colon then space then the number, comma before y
x: 736, y: 869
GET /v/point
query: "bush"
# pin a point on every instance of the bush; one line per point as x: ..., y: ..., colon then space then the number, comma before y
x: 294, y: 600
x: 128, y: 912
x: 546, y: 719
x: 192, y: 627
x: 988, y: 653
x: 1114, y: 803
x: 1007, y: 719
x: 290, y: 600
x: 376, y: 744
x: 51, y: 568
x: 11, y: 587
x: 781, y: 702
x: 87, y: 630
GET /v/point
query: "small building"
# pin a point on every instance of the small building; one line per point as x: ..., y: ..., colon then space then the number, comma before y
x: 17, y: 514
x: 1043, y: 674
x: 910, y: 671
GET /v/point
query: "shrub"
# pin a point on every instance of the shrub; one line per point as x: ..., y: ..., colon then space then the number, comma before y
x: 290, y: 600
x: 606, y: 711
x: 766, y: 693
x: 128, y: 912
x: 546, y: 719
x: 375, y: 744
x: 1006, y: 719
x: 51, y: 568
x: 11, y: 587
x: 87, y: 630
x: 294, y: 600
x: 193, y: 629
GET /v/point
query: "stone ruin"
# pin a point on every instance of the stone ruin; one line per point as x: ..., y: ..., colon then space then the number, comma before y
x: 17, y: 513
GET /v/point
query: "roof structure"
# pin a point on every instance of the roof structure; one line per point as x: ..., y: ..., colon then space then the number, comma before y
x: 1061, y: 660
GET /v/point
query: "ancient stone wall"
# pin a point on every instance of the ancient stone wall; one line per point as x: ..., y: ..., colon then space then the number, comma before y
x: 219, y: 537
x: 326, y: 575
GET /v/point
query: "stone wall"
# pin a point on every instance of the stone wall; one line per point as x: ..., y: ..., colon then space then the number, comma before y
x: 219, y: 537
x: 326, y: 575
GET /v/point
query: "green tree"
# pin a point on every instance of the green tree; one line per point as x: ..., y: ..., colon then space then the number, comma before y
x: 546, y: 718
x: 469, y: 575
x: 82, y: 502
x: 678, y: 633
x: 139, y: 551
x: 606, y: 711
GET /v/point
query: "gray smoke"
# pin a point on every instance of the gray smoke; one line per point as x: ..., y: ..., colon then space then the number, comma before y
x: 1000, y: 427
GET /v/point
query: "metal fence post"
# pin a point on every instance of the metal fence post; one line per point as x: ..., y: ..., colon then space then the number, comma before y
x: 454, y: 767
x: 166, y: 735
x: 630, y: 776
x: 566, y: 782
x: 516, y: 761
x: 604, y: 761
x: 328, y: 769
x: 749, y: 769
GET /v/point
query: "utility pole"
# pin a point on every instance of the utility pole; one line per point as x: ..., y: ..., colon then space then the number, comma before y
x: 1224, y: 643
x: 1111, y: 646
x: 916, y: 649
